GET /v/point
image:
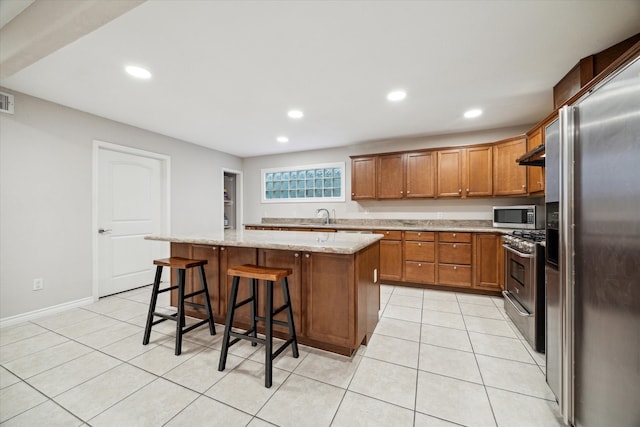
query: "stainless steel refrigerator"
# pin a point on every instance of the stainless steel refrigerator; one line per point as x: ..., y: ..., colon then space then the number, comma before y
x: 593, y: 254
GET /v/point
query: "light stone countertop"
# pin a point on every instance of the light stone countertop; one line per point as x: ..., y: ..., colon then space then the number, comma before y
x: 460, y: 226
x: 337, y: 243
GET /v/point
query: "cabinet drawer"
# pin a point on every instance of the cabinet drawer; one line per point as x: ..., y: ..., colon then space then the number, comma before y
x: 454, y: 237
x: 456, y: 275
x: 419, y: 251
x: 454, y: 253
x: 390, y: 234
x: 422, y: 272
x: 423, y: 236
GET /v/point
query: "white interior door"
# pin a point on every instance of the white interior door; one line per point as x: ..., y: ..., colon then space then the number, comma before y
x: 130, y: 206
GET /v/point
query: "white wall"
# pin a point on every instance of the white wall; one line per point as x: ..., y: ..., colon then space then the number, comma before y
x: 46, y: 197
x: 255, y: 210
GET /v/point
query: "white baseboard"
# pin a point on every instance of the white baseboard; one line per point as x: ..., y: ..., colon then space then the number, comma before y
x: 19, y: 318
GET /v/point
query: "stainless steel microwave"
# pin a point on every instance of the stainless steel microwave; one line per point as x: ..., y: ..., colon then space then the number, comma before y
x: 526, y: 217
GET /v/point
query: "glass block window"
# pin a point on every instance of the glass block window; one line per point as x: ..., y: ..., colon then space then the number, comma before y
x: 312, y: 183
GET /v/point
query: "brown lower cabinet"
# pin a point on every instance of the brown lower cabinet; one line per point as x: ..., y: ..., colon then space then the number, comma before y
x: 465, y: 260
x: 334, y: 296
x: 390, y: 254
x: 454, y: 259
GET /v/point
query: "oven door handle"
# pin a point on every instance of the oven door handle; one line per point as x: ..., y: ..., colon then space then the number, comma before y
x: 520, y: 254
x: 521, y: 311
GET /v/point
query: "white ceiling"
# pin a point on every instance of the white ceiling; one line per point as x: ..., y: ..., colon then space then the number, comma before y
x: 226, y: 72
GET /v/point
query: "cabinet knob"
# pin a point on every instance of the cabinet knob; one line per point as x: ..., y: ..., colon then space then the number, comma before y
x: 467, y: 190
x: 459, y: 190
x: 307, y: 256
x: 353, y: 194
x: 402, y: 192
x: 455, y: 267
x: 214, y: 248
x: 454, y: 234
x: 539, y: 182
x: 524, y: 185
x: 419, y: 244
x: 408, y: 191
x: 222, y: 249
x: 455, y: 246
x: 296, y: 255
x: 419, y: 234
x: 419, y: 265
x: 387, y: 233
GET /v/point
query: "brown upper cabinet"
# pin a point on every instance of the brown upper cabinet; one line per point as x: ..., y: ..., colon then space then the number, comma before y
x: 421, y: 174
x: 363, y: 178
x: 535, y: 174
x: 406, y: 175
x: 509, y: 178
x: 450, y: 172
x: 465, y: 172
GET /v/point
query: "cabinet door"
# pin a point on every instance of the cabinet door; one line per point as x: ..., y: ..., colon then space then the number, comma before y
x: 450, y: 173
x: 283, y: 259
x: 363, y: 178
x: 535, y: 179
x: 421, y: 175
x: 328, y: 281
x: 212, y: 273
x: 391, y: 259
x: 391, y: 177
x: 231, y: 256
x: 479, y: 172
x: 487, y: 263
x: 509, y: 178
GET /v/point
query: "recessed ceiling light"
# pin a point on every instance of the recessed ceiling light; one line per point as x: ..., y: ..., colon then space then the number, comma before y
x: 473, y: 113
x: 282, y: 139
x: 138, y: 72
x: 396, y: 95
x: 295, y: 114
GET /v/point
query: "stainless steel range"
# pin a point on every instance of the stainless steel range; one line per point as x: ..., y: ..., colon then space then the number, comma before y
x: 524, y: 299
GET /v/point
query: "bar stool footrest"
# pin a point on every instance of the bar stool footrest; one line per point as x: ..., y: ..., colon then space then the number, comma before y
x: 275, y: 321
x: 281, y: 348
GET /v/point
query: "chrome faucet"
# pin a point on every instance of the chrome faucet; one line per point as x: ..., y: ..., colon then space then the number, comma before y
x: 327, y: 219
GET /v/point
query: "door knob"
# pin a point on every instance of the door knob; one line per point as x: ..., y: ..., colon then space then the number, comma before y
x: 104, y: 230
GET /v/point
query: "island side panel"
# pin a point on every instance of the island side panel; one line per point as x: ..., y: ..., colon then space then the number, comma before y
x: 368, y: 289
x: 329, y: 288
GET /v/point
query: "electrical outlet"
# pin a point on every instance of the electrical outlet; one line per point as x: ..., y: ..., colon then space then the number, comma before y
x: 38, y: 284
x: 375, y: 275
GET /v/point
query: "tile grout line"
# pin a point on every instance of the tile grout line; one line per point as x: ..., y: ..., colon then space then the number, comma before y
x: 484, y: 386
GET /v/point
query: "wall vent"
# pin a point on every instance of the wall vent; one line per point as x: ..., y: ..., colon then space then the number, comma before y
x: 6, y: 103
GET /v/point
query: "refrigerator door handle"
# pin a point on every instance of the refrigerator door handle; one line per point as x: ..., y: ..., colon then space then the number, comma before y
x: 566, y: 256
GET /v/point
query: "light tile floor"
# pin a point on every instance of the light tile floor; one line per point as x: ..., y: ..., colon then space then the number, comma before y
x: 436, y: 359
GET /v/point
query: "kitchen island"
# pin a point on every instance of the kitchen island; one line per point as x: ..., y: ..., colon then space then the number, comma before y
x: 335, y: 289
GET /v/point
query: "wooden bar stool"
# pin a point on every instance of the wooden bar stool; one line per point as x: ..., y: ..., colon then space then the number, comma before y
x: 181, y: 264
x: 269, y: 275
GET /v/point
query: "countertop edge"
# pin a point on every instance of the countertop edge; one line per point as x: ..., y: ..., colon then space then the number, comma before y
x: 375, y: 227
x: 293, y: 246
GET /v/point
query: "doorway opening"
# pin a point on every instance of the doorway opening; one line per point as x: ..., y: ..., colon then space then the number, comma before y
x: 232, y: 199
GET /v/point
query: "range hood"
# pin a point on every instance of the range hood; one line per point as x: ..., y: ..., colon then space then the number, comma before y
x: 534, y: 157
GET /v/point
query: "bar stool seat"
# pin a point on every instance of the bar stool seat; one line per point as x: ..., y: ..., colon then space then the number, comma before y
x: 181, y: 264
x: 268, y: 275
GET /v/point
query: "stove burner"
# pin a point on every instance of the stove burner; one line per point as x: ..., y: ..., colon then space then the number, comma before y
x: 532, y: 235
x: 524, y: 241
